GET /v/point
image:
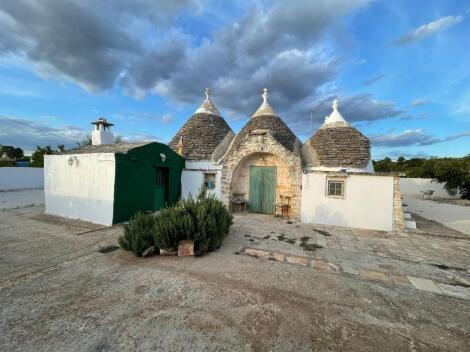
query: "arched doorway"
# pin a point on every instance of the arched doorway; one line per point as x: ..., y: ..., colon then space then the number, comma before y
x: 262, y: 178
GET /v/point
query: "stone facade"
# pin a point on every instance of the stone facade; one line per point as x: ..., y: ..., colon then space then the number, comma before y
x: 398, y: 219
x: 262, y: 149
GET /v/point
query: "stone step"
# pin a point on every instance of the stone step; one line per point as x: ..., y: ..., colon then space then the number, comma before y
x: 409, y: 224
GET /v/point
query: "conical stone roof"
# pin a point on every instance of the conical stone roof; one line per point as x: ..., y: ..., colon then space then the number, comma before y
x: 205, y: 136
x: 337, y: 144
x: 265, y: 118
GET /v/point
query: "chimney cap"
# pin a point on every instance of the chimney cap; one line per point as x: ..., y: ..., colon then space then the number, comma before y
x: 102, y: 121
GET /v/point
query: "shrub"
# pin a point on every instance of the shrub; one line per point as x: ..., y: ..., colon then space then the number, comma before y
x: 204, y: 220
x: 171, y: 226
x: 211, y: 221
x: 138, y: 234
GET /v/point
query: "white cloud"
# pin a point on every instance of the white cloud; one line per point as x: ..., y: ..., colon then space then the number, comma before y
x: 412, y: 137
x: 418, y: 102
x: 428, y: 29
x: 28, y: 134
x: 167, y: 118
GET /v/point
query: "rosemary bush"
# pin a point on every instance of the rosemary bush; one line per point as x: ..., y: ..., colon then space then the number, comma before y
x: 138, y: 234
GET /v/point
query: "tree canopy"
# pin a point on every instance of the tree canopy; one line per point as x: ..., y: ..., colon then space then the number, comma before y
x: 454, y: 172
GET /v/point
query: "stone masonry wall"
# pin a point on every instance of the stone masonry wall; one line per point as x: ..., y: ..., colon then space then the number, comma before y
x: 398, y: 220
x: 241, y: 174
x: 255, y: 147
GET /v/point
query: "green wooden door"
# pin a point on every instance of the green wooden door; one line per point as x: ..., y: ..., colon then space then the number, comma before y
x: 161, y: 187
x: 262, y: 192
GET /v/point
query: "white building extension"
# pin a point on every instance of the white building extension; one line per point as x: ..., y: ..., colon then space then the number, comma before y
x: 80, y: 186
x: 338, y: 184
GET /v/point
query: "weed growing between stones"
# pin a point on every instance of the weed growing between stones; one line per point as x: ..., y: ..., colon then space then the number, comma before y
x: 311, y: 247
x: 324, y: 233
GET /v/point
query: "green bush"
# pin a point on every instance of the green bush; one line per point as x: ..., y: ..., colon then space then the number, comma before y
x: 138, y: 234
x: 204, y: 220
x: 7, y: 163
x: 211, y: 221
x: 171, y: 226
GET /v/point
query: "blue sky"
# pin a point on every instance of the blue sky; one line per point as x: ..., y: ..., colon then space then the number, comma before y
x: 399, y: 68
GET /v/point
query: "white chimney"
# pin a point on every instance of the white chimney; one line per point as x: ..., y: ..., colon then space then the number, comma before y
x: 102, y: 133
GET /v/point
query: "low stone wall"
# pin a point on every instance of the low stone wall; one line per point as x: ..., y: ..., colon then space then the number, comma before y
x: 15, y: 178
x: 398, y: 218
x: 415, y: 186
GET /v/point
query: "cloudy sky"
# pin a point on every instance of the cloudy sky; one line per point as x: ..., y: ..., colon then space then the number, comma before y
x: 400, y: 69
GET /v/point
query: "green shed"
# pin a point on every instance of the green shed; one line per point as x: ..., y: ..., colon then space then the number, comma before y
x: 148, y: 177
x: 109, y: 183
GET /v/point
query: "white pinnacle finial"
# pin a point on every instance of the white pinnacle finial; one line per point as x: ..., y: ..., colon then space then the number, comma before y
x: 265, y: 95
x: 335, y: 104
x: 207, y: 91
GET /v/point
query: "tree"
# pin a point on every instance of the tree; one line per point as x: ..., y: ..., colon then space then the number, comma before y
x: 12, y: 152
x: 87, y: 140
x: 455, y: 173
x: 37, y: 159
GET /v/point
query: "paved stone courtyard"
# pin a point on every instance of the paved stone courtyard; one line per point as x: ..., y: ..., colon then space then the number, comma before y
x: 402, y: 258
x: 358, y: 290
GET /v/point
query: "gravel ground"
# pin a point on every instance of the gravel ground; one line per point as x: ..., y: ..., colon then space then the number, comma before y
x: 456, y: 217
x: 21, y: 198
x: 58, y: 294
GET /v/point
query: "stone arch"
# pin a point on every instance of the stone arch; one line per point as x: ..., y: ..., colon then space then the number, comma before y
x: 251, y: 152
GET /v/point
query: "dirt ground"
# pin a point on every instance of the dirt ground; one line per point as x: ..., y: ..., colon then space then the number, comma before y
x: 57, y: 293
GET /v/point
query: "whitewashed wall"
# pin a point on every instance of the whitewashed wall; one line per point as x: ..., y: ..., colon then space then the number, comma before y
x: 368, y: 202
x: 14, y: 178
x: 192, y: 178
x: 84, y: 190
x: 414, y: 186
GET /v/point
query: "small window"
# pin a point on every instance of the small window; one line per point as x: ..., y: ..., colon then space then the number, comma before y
x: 335, y: 188
x: 209, y: 181
x: 161, y: 178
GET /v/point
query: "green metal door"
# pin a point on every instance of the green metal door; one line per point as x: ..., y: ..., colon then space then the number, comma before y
x: 262, y: 189
x: 161, y: 187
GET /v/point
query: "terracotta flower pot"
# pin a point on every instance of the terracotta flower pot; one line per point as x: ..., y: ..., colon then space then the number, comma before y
x: 185, y: 248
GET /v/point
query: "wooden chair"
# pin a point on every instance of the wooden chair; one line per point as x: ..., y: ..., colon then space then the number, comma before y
x: 283, y: 206
x: 238, y: 202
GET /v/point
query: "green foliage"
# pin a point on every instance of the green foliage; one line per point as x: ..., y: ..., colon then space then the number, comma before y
x: 37, y: 159
x: 138, y: 234
x: 204, y: 220
x: 454, y: 172
x: 211, y: 221
x: 86, y: 140
x: 171, y: 226
x: 7, y: 163
x: 11, y: 152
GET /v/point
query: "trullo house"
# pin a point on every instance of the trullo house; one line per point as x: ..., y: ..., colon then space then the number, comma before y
x: 327, y: 180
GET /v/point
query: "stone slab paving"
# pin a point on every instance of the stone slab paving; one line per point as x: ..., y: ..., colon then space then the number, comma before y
x: 424, y: 284
x: 371, y: 275
x: 428, y: 263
